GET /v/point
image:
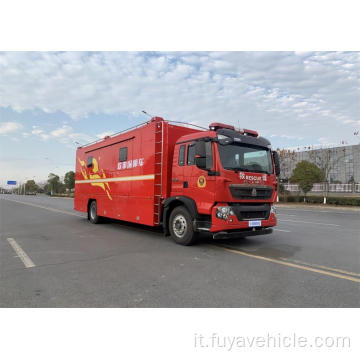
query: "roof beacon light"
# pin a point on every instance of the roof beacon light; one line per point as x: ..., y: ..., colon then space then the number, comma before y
x: 215, y: 126
x: 248, y: 132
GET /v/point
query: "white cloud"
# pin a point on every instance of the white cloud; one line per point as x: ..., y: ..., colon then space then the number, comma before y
x: 37, y: 131
x: 45, y: 136
x: 266, y: 90
x: 65, y: 129
x: 9, y: 127
x: 64, y: 134
x: 80, y: 138
x: 300, y: 104
x: 284, y: 136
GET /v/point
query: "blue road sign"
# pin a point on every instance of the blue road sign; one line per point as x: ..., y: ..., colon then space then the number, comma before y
x: 11, y: 182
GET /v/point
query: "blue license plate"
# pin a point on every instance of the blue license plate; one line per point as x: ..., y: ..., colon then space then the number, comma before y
x: 254, y: 223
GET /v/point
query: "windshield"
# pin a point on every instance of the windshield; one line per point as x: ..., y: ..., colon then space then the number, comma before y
x: 245, y: 158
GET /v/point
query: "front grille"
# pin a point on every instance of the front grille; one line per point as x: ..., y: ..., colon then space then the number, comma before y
x: 244, y: 191
x: 248, y: 215
x: 251, y: 211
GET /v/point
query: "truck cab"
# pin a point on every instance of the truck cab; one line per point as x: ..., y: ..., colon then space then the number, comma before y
x: 223, y: 182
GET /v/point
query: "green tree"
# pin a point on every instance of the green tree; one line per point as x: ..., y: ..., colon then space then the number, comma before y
x: 61, y: 188
x: 31, y: 186
x: 54, y: 183
x: 69, y: 180
x: 306, y: 174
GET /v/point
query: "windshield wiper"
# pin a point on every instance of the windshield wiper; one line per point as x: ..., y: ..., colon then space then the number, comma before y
x: 259, y: 171
x: 237, y: 169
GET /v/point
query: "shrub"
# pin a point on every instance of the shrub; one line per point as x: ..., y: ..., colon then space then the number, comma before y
x: 315, y: 199
x: 62, y: 195
x: 281, y: 189
x: 354, y: 201
x: 343, y: 201
x: 291, y: 198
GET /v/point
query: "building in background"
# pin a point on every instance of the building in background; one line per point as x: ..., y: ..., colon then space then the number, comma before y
x: 340, y: 164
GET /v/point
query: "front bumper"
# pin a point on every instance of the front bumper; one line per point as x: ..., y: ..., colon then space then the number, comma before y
x: 233, y: 224
x: 241, y: 233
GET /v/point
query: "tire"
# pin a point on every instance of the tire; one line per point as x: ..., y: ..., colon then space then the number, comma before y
x: 181, y: 227
x: 92, y: 213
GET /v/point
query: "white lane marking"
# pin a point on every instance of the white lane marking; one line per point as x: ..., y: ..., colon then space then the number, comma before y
x: 21, y: 253
x: 45, y: 207
x: 282, y: 230
x: 309, y: 222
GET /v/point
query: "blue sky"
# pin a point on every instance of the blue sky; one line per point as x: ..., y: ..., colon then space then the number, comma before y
x: 51, y: 100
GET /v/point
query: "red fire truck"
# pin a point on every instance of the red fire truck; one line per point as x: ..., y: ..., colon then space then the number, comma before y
x: 184, y: 178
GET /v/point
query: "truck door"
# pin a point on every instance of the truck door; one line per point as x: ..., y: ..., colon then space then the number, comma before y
x: 177, y: 178
x: 199, y: 184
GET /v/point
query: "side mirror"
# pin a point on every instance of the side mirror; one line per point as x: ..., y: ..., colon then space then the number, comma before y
x: 200, y: 150
x: 276, y: 162
x: 203, y: 155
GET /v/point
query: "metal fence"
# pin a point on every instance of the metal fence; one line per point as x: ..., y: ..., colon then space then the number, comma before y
x: 291, y: 187
x: 341, y: 188
x: 318, y: 188
x: 336, y: 188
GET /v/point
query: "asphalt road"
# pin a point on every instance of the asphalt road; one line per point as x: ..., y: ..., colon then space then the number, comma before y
x: 51, y: 256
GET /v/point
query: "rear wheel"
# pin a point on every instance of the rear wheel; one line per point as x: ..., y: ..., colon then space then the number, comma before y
x: 92, y: 213
x: 181, y: 227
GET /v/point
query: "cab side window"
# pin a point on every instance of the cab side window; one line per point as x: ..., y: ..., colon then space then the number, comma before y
x: 181, y: 160
x: 191, y: 155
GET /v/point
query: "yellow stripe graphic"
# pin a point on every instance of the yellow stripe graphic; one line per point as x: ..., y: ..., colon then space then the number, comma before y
x: 116, y: 179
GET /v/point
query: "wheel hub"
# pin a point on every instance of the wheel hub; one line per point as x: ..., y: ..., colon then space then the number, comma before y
x: 179, y: 225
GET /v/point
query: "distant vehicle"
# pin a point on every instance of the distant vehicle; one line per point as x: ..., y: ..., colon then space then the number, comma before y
x: 183, y: 178
x: 30, y: 193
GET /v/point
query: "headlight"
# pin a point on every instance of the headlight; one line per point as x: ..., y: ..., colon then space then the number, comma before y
x: 224, y: 212
x: 273, y: 209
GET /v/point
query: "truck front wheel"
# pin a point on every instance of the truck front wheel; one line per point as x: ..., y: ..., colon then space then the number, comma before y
x: 180, y: 226
x: 92, y: 213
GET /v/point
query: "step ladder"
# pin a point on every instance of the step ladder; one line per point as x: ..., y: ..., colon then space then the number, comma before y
x: 159, y: 161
